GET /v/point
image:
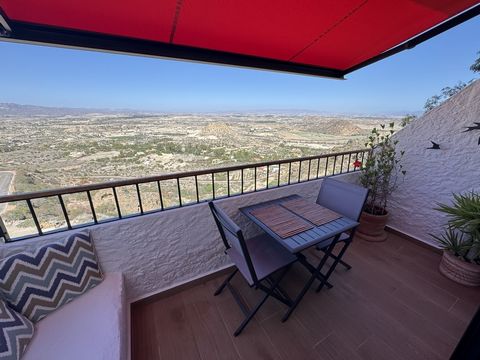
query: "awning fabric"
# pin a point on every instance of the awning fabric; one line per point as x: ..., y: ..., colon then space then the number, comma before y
x: 333, y: 36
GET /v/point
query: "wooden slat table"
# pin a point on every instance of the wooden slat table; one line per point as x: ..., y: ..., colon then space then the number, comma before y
x: 280, y: 220
x: 305, y: 239
x: 315, y: 235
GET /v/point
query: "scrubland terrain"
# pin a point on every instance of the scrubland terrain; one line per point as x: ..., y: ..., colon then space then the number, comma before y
x: 47, y: 151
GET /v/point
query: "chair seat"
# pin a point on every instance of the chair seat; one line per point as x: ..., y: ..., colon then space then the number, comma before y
x: 327, y: 242
x: 267, y: 256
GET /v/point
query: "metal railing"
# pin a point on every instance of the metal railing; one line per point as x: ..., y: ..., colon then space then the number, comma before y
x: 169, y: 191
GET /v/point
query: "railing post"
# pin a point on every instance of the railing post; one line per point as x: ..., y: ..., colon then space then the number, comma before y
x: 196, y: 189
x: 140, y: 205
x: 160, y: 194
x: 289, y: 172
x: 34, y: 217
x: 278, y: 178
x: 65, y: 212
x: 228, y: 183
x: 3, y: 231
x: 242, y: 181
x: 213, y: 185
x: 117, y: 204
x: 179, y: 193
x: 92, y: 208
x: 268, y: 169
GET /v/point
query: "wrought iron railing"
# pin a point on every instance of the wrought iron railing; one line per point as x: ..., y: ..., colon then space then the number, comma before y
x: 158, y: 193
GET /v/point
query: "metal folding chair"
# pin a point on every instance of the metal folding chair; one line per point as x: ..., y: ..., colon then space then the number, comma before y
x: 257, y: 259
x: 348, y: 200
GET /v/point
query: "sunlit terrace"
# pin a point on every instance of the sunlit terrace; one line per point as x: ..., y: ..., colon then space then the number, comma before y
x: 392, y: 304
x: 372, y: 253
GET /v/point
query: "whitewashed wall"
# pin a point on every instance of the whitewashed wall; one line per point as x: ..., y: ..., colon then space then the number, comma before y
x: 433, y: 175
x: 158, y: 251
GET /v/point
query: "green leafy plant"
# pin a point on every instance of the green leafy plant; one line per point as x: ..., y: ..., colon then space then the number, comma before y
x: 462, y: 236
x: 382, y: 169
x: 445, y: 94
x: 476, y: 65
x: 407, y: 119
x: 453, y: 241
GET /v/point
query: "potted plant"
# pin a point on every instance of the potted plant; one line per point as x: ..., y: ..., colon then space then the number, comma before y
x: 461, y: 240
x: 380, y: 174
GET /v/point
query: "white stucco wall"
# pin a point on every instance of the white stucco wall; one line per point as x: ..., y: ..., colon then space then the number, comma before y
x: 161, y: 250
x: 433, y: 175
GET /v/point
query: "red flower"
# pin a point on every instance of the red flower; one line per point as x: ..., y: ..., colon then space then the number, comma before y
x: 357, y: 164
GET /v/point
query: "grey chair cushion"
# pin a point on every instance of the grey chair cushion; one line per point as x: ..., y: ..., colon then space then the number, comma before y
x: 267, y: 256
x: 344, y: 198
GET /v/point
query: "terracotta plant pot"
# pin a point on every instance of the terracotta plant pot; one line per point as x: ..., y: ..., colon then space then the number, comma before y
x: 460, y: 271
x: 372, y: 227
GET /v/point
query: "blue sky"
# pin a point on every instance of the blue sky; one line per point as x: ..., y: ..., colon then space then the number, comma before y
x: 72, y: 78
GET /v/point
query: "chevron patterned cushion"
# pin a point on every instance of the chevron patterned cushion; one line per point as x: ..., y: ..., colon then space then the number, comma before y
x: 16, y: 331
x: 37, y: 284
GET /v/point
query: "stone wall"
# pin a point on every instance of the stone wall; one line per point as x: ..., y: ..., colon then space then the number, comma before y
x: 433, y: 175
x: 158, y: 251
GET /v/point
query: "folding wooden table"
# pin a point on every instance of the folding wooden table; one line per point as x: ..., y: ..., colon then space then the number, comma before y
x: 327, y: 234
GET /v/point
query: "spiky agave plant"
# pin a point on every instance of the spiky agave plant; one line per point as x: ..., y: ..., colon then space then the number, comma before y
x: 452, y: 241
x: 462, y: 236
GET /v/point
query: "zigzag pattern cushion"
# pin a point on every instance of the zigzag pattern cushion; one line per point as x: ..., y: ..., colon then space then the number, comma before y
x: 37, y: 284
x: 16, y: 331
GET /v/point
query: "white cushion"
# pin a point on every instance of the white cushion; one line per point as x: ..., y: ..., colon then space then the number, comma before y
x: 92, y: 326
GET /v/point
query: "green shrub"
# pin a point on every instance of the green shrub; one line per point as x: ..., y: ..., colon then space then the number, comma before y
x: 462, y: 236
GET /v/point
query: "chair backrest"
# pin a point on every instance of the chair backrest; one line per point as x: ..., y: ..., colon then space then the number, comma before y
x: 232, y: 237
x: 343, y: 198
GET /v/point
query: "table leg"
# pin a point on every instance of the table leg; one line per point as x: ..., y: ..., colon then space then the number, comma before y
x: 334, y: 265
x: 315, y: 275
x: 303, y: 260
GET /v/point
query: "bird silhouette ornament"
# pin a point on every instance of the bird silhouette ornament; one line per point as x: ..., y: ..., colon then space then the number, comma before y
x: 475, y: 127
x: 434, y: 146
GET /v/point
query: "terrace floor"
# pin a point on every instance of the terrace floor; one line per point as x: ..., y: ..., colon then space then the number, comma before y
x: 393, y: 304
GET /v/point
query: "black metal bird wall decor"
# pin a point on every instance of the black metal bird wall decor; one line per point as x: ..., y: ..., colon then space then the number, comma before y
x: 472, y: 128
x: 434, y: 146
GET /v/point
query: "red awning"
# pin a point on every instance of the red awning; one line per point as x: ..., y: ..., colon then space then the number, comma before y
x: 332, y: 37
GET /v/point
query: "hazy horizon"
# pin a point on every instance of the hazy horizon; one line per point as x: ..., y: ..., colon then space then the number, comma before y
x: 292, y: 112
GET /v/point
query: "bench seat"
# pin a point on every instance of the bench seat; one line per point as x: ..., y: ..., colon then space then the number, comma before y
x: 93, y: 326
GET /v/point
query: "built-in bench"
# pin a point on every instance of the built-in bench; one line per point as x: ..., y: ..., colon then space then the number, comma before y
x: 93, y: 326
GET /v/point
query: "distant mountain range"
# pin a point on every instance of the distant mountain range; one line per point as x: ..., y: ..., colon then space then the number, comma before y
x: 11, y: 109
x: 19, y: 110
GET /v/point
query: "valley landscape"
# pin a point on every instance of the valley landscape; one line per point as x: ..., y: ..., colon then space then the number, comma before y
x: 45, y: 148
